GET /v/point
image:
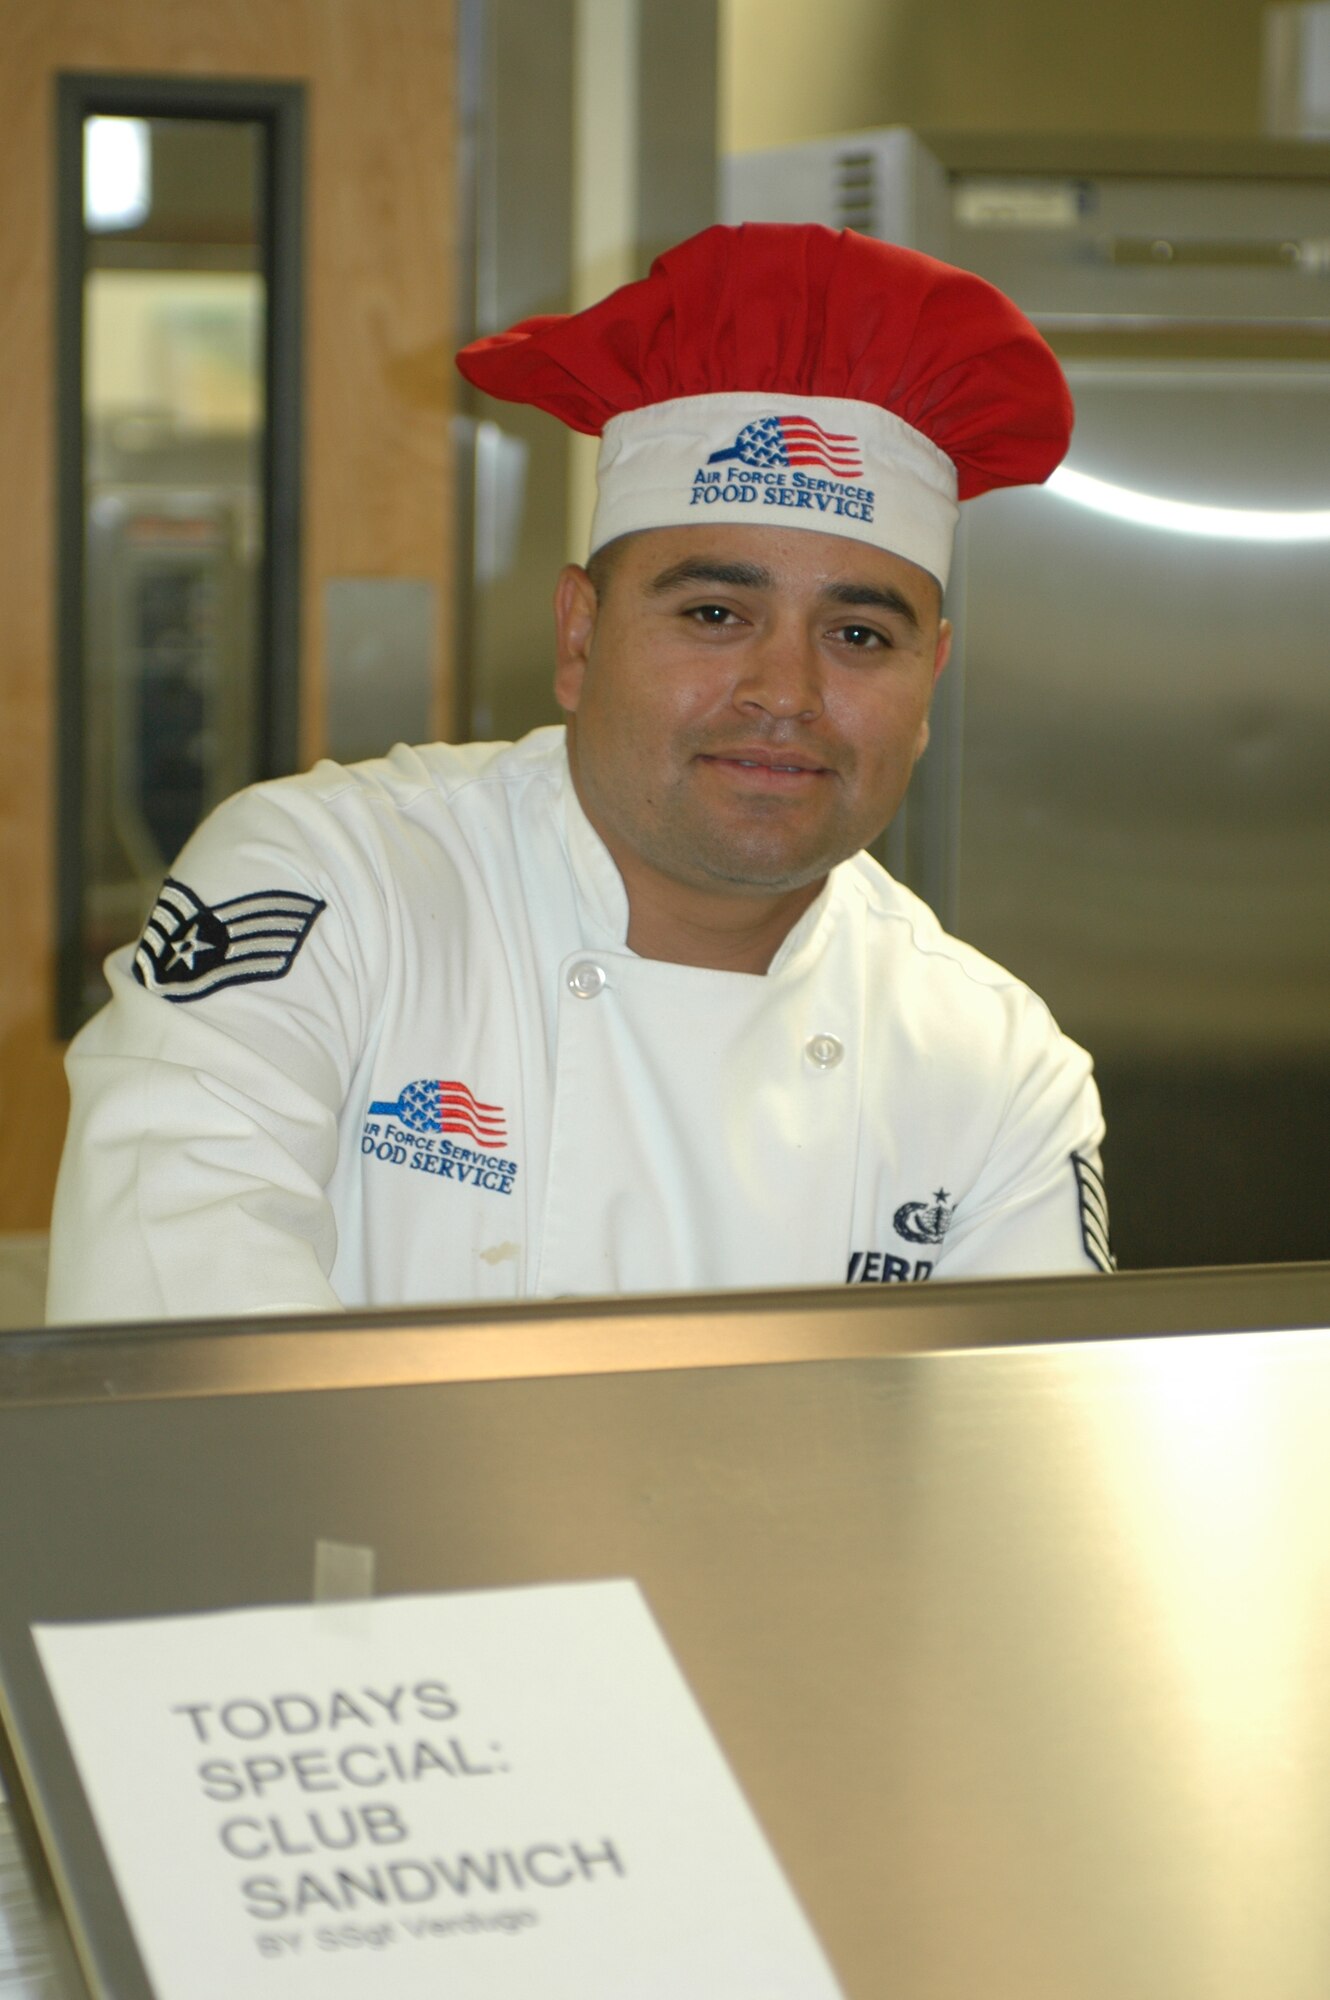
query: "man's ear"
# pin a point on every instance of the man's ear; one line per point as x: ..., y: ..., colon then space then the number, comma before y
x: 575, y: 605
x: 943, y: 651
x: 941, y: 654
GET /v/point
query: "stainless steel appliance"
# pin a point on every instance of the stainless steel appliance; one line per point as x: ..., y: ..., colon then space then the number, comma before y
x: 1128, y: 798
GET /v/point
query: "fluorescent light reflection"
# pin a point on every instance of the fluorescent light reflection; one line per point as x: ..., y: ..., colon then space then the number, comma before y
x: 117, y: 173
x: 1208, y: 1454
x: 1182, y: 517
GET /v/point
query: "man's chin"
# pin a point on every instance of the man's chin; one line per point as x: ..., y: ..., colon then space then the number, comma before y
x: 764, y: 873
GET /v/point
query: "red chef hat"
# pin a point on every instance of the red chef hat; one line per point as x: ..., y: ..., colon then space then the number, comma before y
x: 797, y: 376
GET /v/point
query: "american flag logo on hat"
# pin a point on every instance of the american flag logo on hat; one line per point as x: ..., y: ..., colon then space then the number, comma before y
x: 946, y: 388
x: 795, y: 441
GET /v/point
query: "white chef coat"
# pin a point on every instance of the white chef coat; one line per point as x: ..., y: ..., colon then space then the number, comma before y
x: 384, y: 1043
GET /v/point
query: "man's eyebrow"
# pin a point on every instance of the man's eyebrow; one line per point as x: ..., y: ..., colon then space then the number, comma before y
x: 698, y: 569
x: 872, y: 594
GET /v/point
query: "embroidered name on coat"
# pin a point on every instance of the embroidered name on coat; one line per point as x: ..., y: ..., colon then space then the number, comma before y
x: 190, y: 949
x: 879, y: 1267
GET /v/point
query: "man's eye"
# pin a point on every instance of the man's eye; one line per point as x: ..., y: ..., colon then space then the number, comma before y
x: 860, y: 636
x: 711, y: 614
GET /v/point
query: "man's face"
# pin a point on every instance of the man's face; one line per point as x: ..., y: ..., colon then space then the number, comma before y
x: 745, y: 704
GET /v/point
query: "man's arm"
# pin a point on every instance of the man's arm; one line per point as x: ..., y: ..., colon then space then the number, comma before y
x: 205, y: 1096
x: 1039, y: 1205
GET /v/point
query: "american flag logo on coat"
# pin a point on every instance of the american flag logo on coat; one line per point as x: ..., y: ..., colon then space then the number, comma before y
x: 433, y: 1105
x: 795, y: 441
x: 190, y: 949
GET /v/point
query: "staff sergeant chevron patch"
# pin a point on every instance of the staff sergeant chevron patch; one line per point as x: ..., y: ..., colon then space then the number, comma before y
x: 188, y: 950
x: 1094, y: 1213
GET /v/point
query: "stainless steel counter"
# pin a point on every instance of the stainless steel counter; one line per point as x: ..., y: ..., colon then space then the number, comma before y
x: 1009, y: 1604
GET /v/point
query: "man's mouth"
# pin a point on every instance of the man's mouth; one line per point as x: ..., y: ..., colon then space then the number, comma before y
x: 755, y: 764
x: 765, y: 774
x: 765, y: 761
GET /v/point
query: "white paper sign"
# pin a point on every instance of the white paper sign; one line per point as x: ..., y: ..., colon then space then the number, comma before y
x: 495, y: 1793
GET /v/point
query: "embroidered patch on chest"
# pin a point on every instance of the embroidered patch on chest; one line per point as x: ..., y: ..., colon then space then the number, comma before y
x: 420, y: 1127
x: 190, y: 949
x: 923, y: 1221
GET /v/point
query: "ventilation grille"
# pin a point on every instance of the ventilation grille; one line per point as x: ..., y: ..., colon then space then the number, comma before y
x: 854, y: 192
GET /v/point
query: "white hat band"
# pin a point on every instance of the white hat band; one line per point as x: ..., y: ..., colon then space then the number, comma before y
x: 823, y: 462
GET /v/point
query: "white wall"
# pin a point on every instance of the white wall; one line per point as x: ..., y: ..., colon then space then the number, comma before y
x: 799, y: 69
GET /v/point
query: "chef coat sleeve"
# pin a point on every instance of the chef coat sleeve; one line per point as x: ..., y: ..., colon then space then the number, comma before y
x: 204, y: 1114
x: 1038, y: 1206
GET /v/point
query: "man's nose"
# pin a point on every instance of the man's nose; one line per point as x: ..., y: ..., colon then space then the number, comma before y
x: 782, y: 675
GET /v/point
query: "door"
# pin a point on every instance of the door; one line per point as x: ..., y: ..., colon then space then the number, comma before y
x: 376, y: 391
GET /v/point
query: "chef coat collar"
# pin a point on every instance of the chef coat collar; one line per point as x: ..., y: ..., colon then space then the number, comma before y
x: 602, y: 900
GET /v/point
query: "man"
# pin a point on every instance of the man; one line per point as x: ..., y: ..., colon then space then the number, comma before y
x: 629, y: 1011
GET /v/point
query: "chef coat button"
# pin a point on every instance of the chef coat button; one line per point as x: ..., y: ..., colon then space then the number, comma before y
x: 824, y: 1051
x: 586, y: 979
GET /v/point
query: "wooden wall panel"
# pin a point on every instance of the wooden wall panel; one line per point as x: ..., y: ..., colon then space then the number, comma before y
x: 378, y: 389
x: 31, y: 1083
